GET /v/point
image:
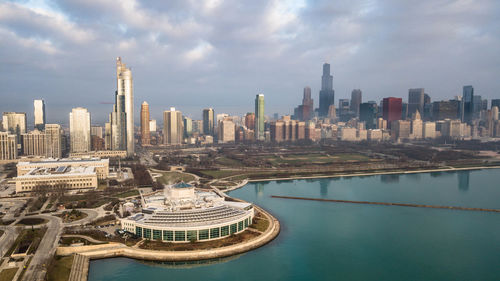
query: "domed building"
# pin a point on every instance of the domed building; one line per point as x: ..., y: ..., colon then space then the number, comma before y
x: 183, y: 213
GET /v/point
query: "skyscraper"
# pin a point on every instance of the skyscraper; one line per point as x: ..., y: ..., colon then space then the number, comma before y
x: 250, y: 120
x: 307, y: 105
x: 172, y: 127
x: 416, y: 99
x: 391, y: 109
x: 39, y: 106
x: 188, y: 126
x: 356, y: 100
x: 259, y: 117
x: 54, y: 140
x: 368, y: 114
x: 125, y: 89
x: 145, y: 134
x: 208, y: 121
x: 467, y: 105
x: 14, y: 123
x: 8, y: 146
x: 79, y: 128
x: 327, y: 94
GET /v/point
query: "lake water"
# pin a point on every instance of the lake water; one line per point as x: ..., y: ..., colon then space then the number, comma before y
x: 339, y: 241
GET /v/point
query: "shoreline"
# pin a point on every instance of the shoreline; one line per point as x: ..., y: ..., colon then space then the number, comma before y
x: 83, y: 254
x: 374, y: 174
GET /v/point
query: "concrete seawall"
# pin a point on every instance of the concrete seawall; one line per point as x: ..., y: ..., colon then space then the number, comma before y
x: 111, y: 250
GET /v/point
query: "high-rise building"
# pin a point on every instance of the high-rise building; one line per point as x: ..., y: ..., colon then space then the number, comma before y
x: 416, y: 126
x: 368, y: 114
x: 356, y: 100
x: 145, y: 134
x: 467, y: 104
x: 259, y: 117
x: 344, y: 110
x: 326, y: 94
x: 15, y: 123
x: 400, y: 129
x: 392, y: 109
x: 96, y: 131
x: 152, y: 126
x: 34, y: 143
x: 226, y: 131
x: 188, y: 126
x: 208, y: 121
x: 8, y: 146
x: 495, y: 102
x: 446, y: 109
x: 250, y: 120
x: 416, y: 100
x: 125, y: 88
x: 79, y: 127
x: 39, y: 111
x: 54, y: 140
x: 307, y: 105
x: 172, y: 127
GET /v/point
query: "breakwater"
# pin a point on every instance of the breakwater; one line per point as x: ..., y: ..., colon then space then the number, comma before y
x: 390, y: 204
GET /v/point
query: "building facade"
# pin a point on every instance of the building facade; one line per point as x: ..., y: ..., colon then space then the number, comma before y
x: 259, y: 117
x: 326, y: 94
x: 39, y: 112
x: 208, y: 121
x: 145, y: 133
x: 79, y: 126
x: 172, y: 127
x: 8, y: 146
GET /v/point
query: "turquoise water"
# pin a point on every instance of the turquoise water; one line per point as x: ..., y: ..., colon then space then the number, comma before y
x: 337, y: 241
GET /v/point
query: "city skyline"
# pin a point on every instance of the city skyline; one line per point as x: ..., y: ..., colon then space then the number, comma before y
x: 53, y: 63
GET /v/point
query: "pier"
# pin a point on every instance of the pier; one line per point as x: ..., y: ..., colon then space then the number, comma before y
x: 389, y: 204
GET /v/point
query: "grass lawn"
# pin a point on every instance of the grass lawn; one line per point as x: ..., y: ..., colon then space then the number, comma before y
x: 260, y: 224
x: 133, y: 192
x: 8, y: 274
x: 31, y: 221
x: 60, y: 268
x: 315, y: 158
x: 174, y: 177
x: 227, y: 161
x: 217, y: 174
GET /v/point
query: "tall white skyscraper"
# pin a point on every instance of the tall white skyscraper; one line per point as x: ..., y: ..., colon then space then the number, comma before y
x: 172, y: 126
x: 79, y: 129
x: 125, y: 88
x: 39, y: 114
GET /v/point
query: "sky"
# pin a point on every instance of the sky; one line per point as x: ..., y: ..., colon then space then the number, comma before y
x: 193, y: 54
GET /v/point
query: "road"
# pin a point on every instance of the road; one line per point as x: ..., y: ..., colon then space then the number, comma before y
x: 38, y: 267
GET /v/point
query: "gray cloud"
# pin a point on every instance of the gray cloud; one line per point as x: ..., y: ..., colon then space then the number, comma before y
x: 195, y: 54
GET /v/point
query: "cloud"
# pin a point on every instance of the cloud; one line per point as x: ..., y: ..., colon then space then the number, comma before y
x: 193, y: 54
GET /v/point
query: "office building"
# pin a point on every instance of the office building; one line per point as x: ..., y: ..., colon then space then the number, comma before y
x: 15, y: 123
x: 400, y: 129
x: 368, y: 114
x: 34, y: 143
x: 446, y: 109
x: 53, y: 134
x: 416, y: 126
x: 356, y: 100
x: 250, y: 120
x: 226, y: 129
x: 8, y: 146
x: 468, y: 104
x: 96, y: 131
x: 39, y: 112
x: 145, y: 132
x: 188, y: 126
x: 79, y: 126
x: 259, y: 117
x: 208, y: 121
x: 392, y: 109
x: 326, y: 94
x: 305, y: 111
x: 172, y: 127
x: 416, y: 101
x: 100, y: 166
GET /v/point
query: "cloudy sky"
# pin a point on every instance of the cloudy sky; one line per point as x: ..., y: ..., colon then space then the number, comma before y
x: 193, y: 54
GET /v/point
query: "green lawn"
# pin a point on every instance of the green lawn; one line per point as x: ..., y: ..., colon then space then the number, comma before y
x: 227, y: 161
x: 314, y: 158
x: 133, y: 192
x: 8, y: 274
x: 174, y: 177
x: 217, y: 174
x: 60, y: 269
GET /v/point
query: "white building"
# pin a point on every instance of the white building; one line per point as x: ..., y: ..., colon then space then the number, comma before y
x: 100, y: 166
x: 79, y: 126
x: 60, y: 177
x: 39, y: 106
x: 8, y: 146
x: 183, y: 214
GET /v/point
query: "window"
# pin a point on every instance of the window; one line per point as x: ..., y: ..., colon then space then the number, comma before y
x: 138, y: 231
x: 204, y: 234
x: 192, y: 235
x: 168, y: 235
x: 224, y: 231
x: 156, y: 234
x: 246, y: 222
x: 234, y: 228
x: 180, y: 236
x: 214, y: 233
x: 240, y: 226
x: 147, y: 233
